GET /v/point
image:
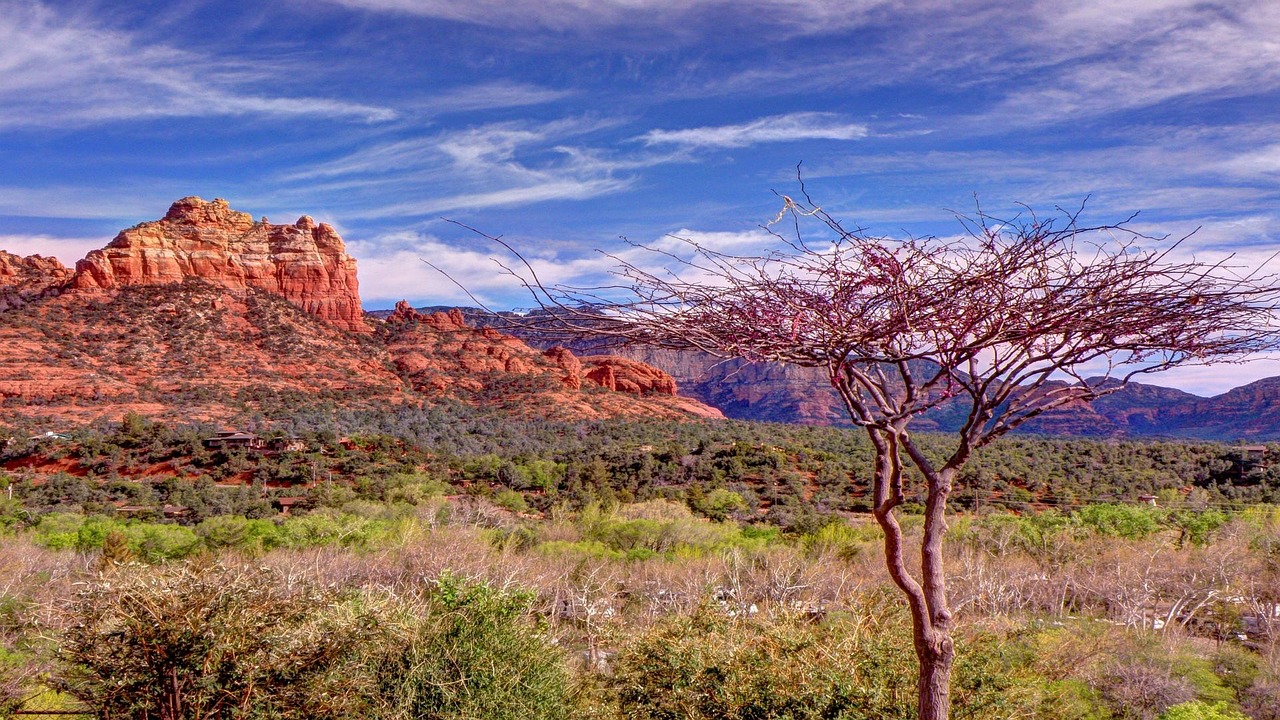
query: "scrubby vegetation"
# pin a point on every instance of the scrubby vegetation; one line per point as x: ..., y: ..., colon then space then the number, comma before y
x: 438, y: 565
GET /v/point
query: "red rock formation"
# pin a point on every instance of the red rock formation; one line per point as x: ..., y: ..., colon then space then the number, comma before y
x: 440, y: 351
x: 306, y: 263
x: 629, y: 376
x: 568, y: 362
x: 25, y: 279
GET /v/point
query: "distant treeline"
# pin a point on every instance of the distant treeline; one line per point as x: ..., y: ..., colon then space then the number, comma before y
x: 785, y: 475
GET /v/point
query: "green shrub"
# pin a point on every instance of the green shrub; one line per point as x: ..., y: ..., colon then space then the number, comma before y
x: 719, y: 504
x: 841, y: 539
x: 182, y: 641
x: 477, y: 652
x: 709, y: 665
x: 328, y: 526
x: 511, y: 500
x: 1125, y: 521
x: 151, y: 542
x: 239, y: 533
x: 13, y: 516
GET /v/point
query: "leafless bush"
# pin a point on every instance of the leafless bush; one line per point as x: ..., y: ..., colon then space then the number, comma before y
x: 1142, y: 690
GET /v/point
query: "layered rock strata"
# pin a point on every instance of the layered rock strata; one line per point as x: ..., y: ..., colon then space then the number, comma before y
x: 306, y: 262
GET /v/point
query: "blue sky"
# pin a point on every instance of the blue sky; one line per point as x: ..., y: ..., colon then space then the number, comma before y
x: 566, y: 124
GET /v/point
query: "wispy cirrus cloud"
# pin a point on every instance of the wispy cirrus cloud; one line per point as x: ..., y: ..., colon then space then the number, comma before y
x: 1090, y: 59
x: 537, y: 187
x: 505, y: 164
x: 792, y: 16
x: 1257, y: 163
x: 61, y: 70
x: 775, y: 128
x: 1098, y: 58
x: 491, y: 95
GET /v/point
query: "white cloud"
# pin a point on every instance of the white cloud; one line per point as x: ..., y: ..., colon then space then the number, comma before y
x: 791, y: 16
x: 494, y: 165
x: 1261, y: 163
x: 58, y: 71
x: 776, y: 128
x: 394, y: 267
x: 1100, y: 57
x: 82, y: 201
x: 66, y: 250
x: 1210, y: 380
x: 716, y: 241
x: 545, y: 188
x: 500, y: 94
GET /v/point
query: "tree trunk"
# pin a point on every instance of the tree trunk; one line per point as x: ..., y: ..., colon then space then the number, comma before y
x: 934, y: 685
x: 926, y: 598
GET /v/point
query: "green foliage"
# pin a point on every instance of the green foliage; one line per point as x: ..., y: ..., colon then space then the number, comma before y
x: 478, y: 652
x: 841, y: 539
x: 719, y: 504
x: 187, y: 642
x: 1237, y: 667
x: 1123, y: 521
x: 511, y: 500
x: 1197, y: 526
x: 239, y: 533
x: 708, y: 665
x: 1200, y: 710
x: 659, y: 527
x: 328, y: 526
x: 151, y: 542
x: 13, y: 515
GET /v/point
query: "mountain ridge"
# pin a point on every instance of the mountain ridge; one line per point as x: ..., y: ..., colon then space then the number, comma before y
x: 207, y: 314
x: 780, y: 393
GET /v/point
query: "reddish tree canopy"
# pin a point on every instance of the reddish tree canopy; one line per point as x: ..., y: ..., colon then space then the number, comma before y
x: 1012, y: 319
x: 996, y: 313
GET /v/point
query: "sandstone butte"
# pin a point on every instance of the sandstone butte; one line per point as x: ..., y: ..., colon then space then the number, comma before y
x: 305, y: 263
x: 201, y: 314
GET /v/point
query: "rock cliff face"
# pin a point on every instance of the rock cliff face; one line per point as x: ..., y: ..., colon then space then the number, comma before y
x: 306, y: 263
x: 438, y: 352
x: 629, y: 376
x: 26, y: 279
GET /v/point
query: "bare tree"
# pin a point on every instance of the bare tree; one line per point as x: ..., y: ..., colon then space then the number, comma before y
x: 1013, y: 319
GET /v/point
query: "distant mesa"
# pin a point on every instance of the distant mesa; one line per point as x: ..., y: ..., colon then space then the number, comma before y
x: 306, y: 263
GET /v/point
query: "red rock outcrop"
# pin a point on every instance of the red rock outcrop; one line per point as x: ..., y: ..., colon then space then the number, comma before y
x: 25, y: 279
x: 439, y: 351
x: 440, y: 354
x: 569, y: 363
x: 628, y: 376
x: 306, y: 263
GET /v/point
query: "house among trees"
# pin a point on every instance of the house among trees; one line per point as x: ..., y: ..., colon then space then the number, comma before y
x: 230, y: 439
x: 287, y: 443
x: 50, y: 435
x: 1250, y: 457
